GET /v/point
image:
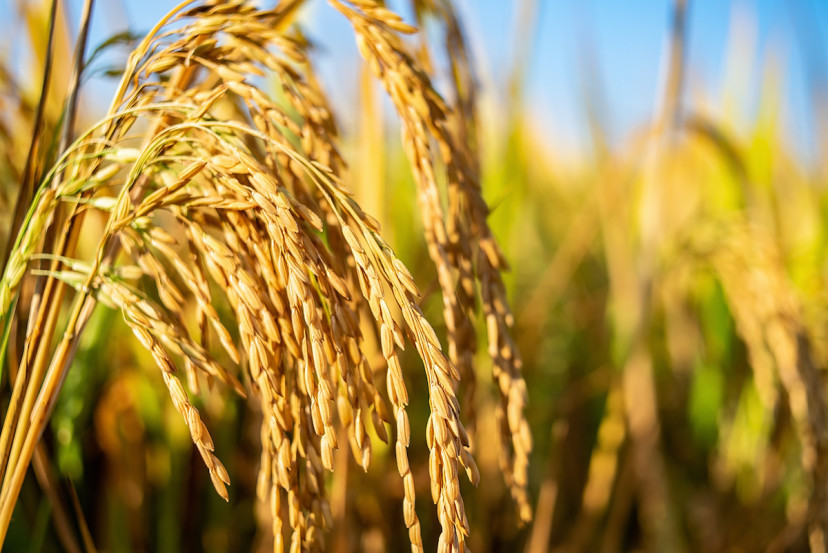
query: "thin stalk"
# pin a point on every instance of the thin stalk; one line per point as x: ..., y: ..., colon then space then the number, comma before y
x: 72, y: 100
x: 39, y: 302
x: 88, y: 543
x: 14, y: 480
x: 541, y: 533
x: 35, y: 355
x: 27, y: 181
x: 48, y: 483
x: 669, y: 115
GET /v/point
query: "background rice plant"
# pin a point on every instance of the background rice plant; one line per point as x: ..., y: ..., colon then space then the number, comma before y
x: 669, y: 295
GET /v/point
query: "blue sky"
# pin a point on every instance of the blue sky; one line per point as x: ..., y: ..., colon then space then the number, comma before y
x: 626, y: 37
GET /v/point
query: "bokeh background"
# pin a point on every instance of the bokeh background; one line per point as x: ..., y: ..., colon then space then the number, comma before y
x: 658, y: 177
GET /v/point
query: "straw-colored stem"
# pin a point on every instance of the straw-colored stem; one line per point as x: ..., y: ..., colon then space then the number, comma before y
x: 13, y: 480
x: 26, y: 185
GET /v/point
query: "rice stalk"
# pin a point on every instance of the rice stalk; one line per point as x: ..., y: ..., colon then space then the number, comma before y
x: 768, y: 318
x: 427, y: 131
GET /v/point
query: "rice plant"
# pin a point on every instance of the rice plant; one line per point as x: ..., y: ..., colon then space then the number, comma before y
x: 218, y: 221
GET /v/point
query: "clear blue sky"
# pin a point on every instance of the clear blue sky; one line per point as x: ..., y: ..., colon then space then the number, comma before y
x: 626, y: 38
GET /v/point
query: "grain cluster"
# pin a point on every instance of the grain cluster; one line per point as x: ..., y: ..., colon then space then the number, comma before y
x: 235, y: 252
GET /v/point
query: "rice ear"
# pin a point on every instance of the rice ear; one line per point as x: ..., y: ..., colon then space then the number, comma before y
x: 239, y: 204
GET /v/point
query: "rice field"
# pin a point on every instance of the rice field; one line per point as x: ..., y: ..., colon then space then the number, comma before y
x: 246, y: 308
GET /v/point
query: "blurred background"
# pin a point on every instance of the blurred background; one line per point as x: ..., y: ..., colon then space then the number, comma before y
x: 658, y: 178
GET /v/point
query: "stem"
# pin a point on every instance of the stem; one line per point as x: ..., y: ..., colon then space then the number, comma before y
x: 72, y: 100
x: 670, y: 113
x: 25, y: 187
x: 31, y: 419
